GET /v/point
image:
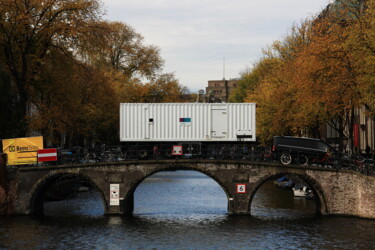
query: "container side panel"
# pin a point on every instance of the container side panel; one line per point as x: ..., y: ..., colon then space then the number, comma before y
x: 187, y: 122
x: 174, y: 122
x: 162, y: 122
x: 122, y: 121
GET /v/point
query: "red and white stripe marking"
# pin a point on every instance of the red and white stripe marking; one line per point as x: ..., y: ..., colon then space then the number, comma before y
x: 48, y: 154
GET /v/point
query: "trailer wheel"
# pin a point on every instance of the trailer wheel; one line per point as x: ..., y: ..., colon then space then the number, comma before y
x: 142, y: 153
x: 168, y: 153
x: 285, y: 158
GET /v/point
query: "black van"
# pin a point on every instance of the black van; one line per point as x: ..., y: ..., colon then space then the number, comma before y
x: 301, y: 150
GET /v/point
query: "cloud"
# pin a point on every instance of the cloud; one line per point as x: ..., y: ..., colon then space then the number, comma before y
x: 195, y: 35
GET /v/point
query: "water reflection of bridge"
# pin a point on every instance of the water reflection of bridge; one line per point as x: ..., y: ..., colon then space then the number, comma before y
x: 337, y: 191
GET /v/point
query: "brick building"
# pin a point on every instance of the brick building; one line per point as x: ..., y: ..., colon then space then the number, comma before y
x: 219, y: 90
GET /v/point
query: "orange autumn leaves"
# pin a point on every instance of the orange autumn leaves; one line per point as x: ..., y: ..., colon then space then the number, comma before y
x: 66, y: 70
x: 319, y: 73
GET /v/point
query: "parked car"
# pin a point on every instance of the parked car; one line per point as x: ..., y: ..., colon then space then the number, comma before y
x: 303, y: 151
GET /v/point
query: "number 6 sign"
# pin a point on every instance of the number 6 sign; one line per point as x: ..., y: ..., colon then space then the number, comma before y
x: 241, y: 188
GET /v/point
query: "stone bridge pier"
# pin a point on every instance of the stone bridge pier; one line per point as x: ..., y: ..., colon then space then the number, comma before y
x: 337, y: 192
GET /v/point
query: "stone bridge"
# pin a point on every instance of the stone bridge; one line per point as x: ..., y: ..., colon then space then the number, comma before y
x: 337, y: 192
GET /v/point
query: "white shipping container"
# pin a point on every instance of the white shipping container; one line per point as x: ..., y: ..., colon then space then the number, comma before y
x: 183, y: 122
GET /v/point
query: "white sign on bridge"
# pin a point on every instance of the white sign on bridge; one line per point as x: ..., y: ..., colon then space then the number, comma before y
x: 241, y: 188
x: 114, y: 194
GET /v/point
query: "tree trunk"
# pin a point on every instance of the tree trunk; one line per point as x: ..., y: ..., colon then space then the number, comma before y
x: 341, y: 134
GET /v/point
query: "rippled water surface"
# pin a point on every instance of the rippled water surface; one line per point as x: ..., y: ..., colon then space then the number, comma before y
x: 186, y: 210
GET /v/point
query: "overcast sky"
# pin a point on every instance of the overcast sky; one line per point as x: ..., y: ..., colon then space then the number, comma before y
x: 195, y: 36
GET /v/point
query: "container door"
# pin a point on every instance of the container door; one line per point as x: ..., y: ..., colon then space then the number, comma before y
x: 219, y: 121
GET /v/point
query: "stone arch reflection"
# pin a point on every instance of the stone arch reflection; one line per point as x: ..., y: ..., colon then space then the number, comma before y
x: 67, y: 194
x: 181, y: 193
x: 280, y: 196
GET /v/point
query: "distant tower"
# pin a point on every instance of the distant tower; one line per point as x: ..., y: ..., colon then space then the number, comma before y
x: 224, y: 68
x: 219, y: 90
x: 225, y: 81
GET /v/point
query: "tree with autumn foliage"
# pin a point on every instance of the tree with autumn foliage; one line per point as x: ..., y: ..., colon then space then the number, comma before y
x: 361, y: 44
x: 275, y: 91
x: 76, y: 108
x: 323, y: 72
x: 30, y: 31
x: 330, y: 67
x: 64, y: 71
x: 117, y: 46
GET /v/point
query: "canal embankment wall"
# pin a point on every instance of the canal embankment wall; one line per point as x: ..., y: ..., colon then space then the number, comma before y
x: 348, y: 193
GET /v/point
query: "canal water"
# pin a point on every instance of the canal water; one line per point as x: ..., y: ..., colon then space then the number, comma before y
x: 186, y: 210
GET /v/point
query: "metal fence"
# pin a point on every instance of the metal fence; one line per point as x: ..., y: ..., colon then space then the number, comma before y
x: 79, y: 155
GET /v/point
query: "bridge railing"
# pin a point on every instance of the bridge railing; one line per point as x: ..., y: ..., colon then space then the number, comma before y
x: 335, y: 160
x: 362, y: 164
x: 79, y: 155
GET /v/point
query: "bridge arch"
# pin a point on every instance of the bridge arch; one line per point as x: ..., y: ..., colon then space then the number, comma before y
x: 333, y: 195
x: 129, y: 196
x: 41, y: 187
x: 321, y: 202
